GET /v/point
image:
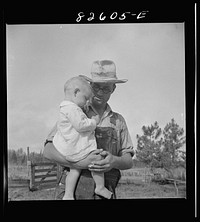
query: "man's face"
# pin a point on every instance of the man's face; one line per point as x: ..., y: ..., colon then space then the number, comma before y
x: 102, y: 92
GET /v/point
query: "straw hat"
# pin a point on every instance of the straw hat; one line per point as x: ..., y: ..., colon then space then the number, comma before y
x: 104, y: 71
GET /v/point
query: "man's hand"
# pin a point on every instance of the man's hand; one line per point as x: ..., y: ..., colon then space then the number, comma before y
x: 123, y: 162
x: 103, y: 165
x: 95, y: 155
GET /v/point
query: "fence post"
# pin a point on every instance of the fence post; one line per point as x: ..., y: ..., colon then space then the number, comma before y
x: 176, y: 188
x: 145, y: 178
x: 32, y: 176
x: 29, y: 169
x: 28, y: 162
x: 58, y: 173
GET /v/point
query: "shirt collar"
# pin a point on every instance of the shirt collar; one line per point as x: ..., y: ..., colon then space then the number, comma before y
x: 107, y: 112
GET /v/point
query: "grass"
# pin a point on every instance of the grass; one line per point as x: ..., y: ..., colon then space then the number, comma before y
x: 132, y: 185
x: 152, y: 190
x: 17, y: 172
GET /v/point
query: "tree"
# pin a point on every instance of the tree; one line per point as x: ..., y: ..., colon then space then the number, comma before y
x: 23, y: 159
x: 19, y: 156
x: 173, y: 141
x: 149, y: 145
x: 12, y: 157
x: 157, y: 148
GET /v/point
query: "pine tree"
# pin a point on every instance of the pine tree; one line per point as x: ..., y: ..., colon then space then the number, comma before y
x: 157, y: 148
x: 173, y: 141
x: 13, y: 157
x: 149, y: 144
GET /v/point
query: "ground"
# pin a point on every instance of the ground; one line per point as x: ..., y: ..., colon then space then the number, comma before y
x: 131, y: 186
x: 124, y: 191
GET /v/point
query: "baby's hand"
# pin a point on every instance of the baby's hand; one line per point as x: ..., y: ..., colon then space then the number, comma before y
x: 88, y: 103
x: 96, y: 118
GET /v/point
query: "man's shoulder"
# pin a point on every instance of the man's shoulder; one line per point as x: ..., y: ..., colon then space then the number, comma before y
x: 117, y: 118
x: 115, y: 115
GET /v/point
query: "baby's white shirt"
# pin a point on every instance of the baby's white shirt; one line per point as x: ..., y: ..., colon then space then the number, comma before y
x: 75, y: 137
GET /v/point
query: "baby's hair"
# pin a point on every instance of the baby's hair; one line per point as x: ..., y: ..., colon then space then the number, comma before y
x: 75, y: 82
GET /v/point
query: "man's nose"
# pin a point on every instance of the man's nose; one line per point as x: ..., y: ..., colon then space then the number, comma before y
x: 100, y: 92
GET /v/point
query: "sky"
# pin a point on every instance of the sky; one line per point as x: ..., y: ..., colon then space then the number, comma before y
x: 40, y: 59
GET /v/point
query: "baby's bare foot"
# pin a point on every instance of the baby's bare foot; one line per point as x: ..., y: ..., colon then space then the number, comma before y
x: 104, y: 192
x: 67, y: 197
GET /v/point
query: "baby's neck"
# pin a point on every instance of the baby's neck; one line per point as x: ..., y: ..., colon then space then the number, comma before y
x: 68, y: 98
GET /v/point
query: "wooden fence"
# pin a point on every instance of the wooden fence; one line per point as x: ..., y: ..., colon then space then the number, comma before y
x: 44, y: 174
x: 175, y: 182
x: 41, y: 175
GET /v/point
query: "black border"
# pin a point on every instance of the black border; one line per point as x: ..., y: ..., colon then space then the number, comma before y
x: 151, y: 208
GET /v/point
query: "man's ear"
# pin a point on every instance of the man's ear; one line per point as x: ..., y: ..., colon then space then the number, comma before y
x: 76, y: 91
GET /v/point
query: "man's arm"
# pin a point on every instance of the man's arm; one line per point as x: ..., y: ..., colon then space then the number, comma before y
x: 123, y: 162
x: 110, y: 161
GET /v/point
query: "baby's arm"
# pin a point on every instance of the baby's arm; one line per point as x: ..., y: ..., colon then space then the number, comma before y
x: 80, y: 121
x: 96, y: 118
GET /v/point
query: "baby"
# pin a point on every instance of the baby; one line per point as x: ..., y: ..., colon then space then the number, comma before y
x: 75, y: 137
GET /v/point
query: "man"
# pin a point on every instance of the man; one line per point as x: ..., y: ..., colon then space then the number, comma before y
x: 111, y: 134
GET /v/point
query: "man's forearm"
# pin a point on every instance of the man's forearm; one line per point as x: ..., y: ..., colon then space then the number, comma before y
x: 123, y: 162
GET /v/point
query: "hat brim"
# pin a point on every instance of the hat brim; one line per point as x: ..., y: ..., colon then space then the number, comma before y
x: 104, y: 80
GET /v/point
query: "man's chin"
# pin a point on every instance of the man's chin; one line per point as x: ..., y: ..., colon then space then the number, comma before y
x: 98, y: 101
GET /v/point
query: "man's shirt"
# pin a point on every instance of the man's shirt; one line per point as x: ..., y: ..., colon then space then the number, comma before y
x: 112, y: 133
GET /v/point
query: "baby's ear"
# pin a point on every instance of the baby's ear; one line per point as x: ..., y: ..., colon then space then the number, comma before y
x: 86, y: 106
x: 76, y: 91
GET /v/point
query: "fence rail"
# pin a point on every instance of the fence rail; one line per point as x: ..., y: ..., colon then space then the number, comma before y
x: 43, y: 173
x: 18, y: 183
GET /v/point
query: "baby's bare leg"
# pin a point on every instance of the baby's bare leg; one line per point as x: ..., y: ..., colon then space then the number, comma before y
x: 84, y: 163
x: 98, y: 177
x: 70, y: 183
x: 100, y: 189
